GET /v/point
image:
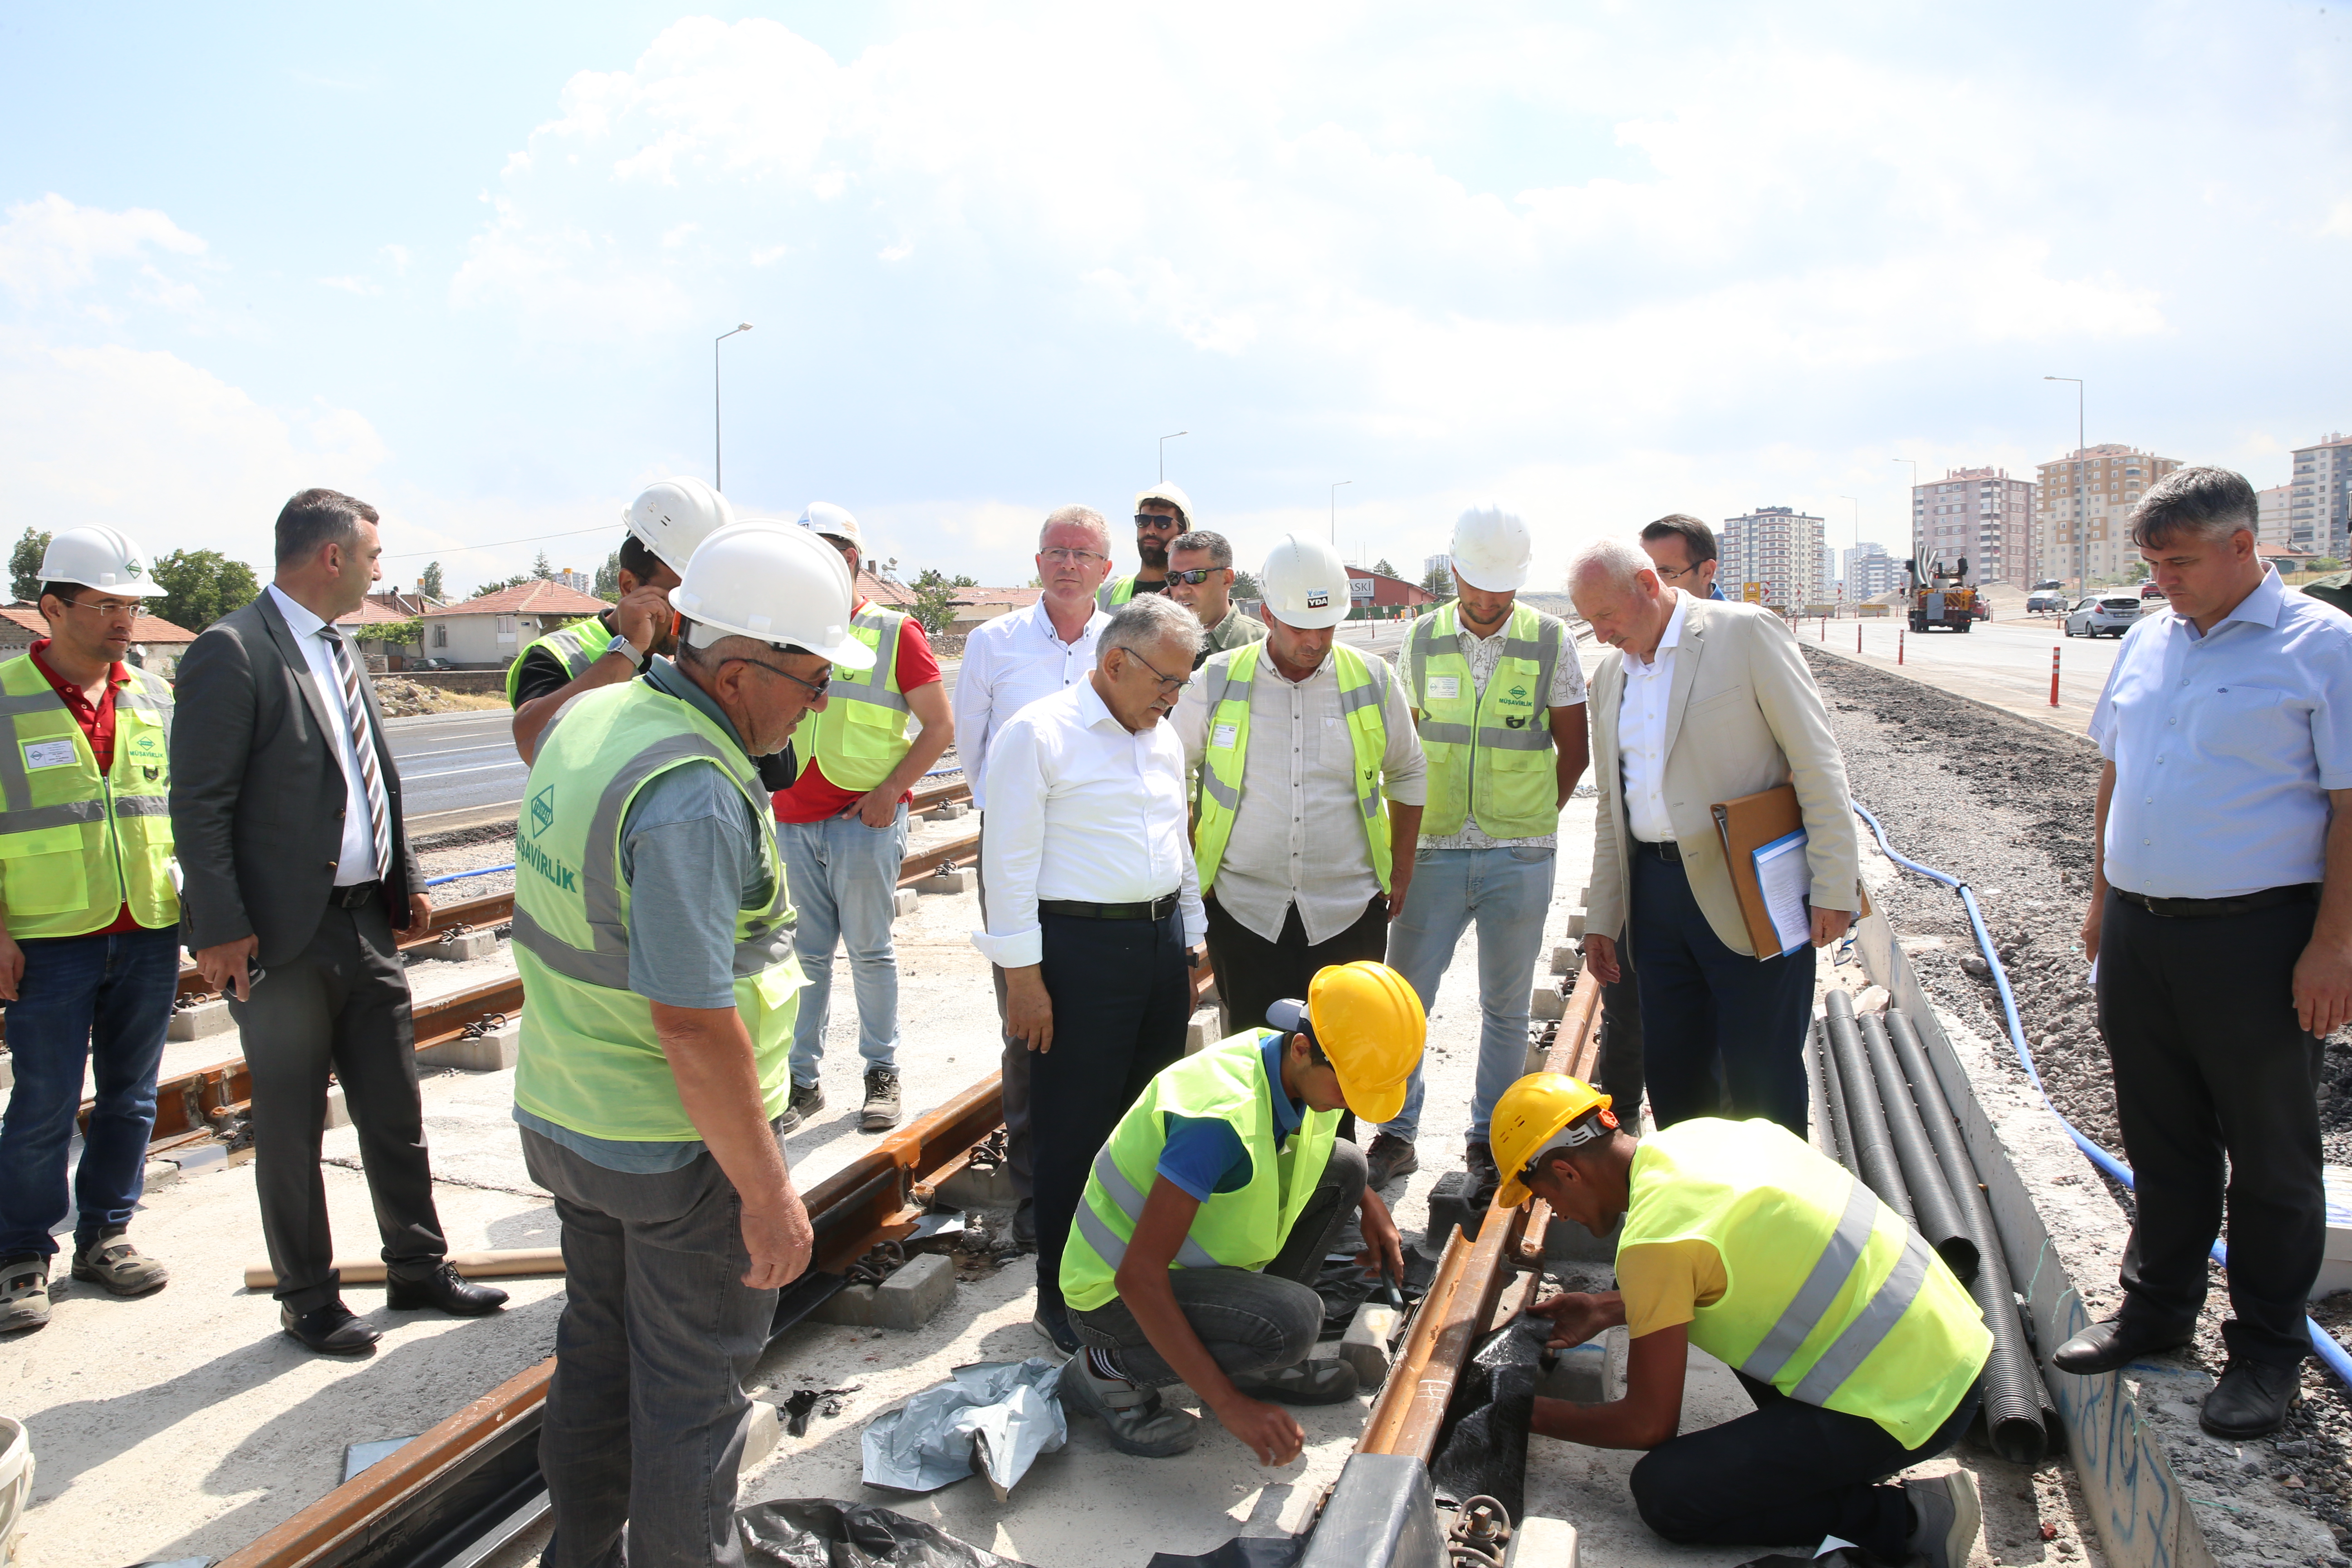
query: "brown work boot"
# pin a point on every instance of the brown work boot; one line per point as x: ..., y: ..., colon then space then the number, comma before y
x: 24, y: 1292
x: 122, y: 1268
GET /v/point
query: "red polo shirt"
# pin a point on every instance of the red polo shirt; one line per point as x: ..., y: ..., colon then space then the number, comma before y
x: 97, y: 723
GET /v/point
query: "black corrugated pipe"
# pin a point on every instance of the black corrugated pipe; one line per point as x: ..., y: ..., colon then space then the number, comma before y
x: 1817, y: 1094
x: 2019, y: 1422
x: 1936, y: 1212
x: 1873, y: 1151
x: 1833, y: 1098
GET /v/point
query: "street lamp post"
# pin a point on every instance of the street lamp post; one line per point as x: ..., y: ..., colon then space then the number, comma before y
x: 1335, y: 511
x: 717, y: 475
x: 2075, y: 522
x: 1163, y: 452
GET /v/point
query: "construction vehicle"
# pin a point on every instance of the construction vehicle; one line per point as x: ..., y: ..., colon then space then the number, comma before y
x: 1941, y: 599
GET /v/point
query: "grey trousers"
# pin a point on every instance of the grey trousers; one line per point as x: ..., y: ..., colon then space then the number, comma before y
x: 340, y: 1006
x: 1249, y: 1322
x: 646, y: 1416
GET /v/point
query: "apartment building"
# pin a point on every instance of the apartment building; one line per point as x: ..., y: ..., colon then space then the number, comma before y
x: 1979, y: 515
x: 2078, y: 517
x: 1870, y: 571
x: 2319, y: 507
x: 1777, y: 552
x: 2271, y: 526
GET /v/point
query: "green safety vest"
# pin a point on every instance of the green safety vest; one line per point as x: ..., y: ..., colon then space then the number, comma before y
x: 1828, y: 1296
x: 575, y: 648
x: 1489, y: 753
x: 1239, y: 1229
x: 862, y: 733
x: 1363, y: 698
x: 77, y: 845
x: 1117, y: 592
x: 589, y: 1059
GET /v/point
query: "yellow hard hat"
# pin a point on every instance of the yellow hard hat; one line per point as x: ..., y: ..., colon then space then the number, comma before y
x: 1368, y: 1023
x: 1532, y: 1116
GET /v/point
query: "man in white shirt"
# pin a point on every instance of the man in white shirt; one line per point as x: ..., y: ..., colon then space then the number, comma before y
x: 1009, y: 663
x: 1096, y: 915
x: 1310, y: 793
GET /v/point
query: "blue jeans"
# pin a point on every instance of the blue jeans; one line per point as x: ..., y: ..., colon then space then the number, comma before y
x: 844, y: 885
x: 1507, y: 892
x: 105, y: 1000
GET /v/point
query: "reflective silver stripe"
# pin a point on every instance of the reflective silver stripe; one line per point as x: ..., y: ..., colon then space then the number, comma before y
x: 858, y: 691
x: 758, y: 954
x: 32, y: 819
x: 609, y: 970
x: 141, y: 704
x: 600, y: 878
x: 1444, y: 734
x: 878, y: 682
x: 1230, y: 797
x: 1868, y: 1332
x: 143, y: 806
x: 1121, y: 1192
x: 1819, y: 1293
x: 1495, y: 738
x: 1100, y: 1237
x: 12, y: 705
x: 576, y: 662
x: 1361, y: 696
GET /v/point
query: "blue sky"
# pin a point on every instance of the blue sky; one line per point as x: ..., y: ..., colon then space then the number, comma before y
x: 1601, y: 262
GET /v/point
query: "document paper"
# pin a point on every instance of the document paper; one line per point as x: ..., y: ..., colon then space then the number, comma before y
x: 1783, y: 877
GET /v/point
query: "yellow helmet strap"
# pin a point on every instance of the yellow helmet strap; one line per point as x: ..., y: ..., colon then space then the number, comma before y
x: 1597, y: 1125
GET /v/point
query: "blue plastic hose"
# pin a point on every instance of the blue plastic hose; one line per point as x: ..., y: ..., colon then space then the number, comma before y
x: 461, y: 875
x: 2330, y: 1351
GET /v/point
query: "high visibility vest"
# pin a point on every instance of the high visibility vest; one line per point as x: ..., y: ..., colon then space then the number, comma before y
x: 1489, y: 753
x: 862, y: 733
x: 575, y: 648
x: 589, y: 1059
x: 1363, y: 698
x: 77, y: 845
x: 1828, y: 1296
x: 1239, y: 1229
x: 1114, y: 592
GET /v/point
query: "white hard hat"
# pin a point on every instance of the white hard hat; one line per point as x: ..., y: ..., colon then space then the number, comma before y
x: 833, y: 523
x: 97, y: 556
x: 1306, y: 584
x: 1493, y: 549
x: 781, y: 585
x: 672, y: 517
x: 1164, y: 491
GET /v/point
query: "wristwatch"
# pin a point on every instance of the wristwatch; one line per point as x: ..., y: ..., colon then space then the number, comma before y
x: 628, y: 650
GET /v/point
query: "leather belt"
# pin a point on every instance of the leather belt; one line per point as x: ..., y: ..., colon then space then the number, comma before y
x: 355, y: 897
x: 1158, y: 908
x: 2221, y: 908
x: 1667, y: 851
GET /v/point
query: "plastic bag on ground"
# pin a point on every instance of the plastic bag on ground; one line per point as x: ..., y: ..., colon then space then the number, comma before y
x: 993, y: 1417
x: 818, y: 1532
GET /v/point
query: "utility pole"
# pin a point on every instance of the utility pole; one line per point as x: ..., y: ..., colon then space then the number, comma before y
x: 1163, y: 452
x: 1335, y: 511
x: 717, y: 476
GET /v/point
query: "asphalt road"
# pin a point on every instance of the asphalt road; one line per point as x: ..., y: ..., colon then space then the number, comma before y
x: 455, y: 763
x: 2003, y: 662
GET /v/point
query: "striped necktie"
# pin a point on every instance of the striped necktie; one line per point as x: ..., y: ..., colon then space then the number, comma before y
x: 355, y: 714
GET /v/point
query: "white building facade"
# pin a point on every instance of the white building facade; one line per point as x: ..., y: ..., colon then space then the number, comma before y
x: 1776, y: 551
x: 2079, y: 512
x: 2319, y: 505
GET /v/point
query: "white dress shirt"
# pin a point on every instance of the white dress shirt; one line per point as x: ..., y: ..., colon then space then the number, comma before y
x: 1642, y: 732
x: 1009, y: 663
x: 2225, y: 746
x: 1299, y: 835
x: 355, y: 862
x: 1083, y: 808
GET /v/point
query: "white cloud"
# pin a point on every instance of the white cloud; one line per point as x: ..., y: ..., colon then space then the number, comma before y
x: 51, y: 249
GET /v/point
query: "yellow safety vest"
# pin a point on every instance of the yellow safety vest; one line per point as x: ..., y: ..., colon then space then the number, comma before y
x: 575, y: 647
x: 1240, y: 1229
x: 862, y: 733
x: 589, y: 1059
x: 1489, y: 753
x: 1828, y: 1296
x: 76, y: 845
x: 1228, y: 679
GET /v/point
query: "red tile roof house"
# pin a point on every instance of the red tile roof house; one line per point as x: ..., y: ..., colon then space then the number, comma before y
x: 490, y: 632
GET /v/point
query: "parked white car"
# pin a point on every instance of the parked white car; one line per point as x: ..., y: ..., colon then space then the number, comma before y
x: 2104, y: 614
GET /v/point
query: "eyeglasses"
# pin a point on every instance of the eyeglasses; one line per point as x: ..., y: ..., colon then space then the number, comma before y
x: 1060, y: 557
x: 105, y: 606
x: 1166, y: 684
x: 815, y: 688
x: 1196, y: 576
x: 1674, y: 575
x: 1156, y: 519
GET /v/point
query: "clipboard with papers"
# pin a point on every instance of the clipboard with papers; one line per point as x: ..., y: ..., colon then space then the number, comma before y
x: 1763, y: 839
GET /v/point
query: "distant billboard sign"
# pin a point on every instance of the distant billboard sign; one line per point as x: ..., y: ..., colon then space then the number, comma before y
x: 1359, y: 590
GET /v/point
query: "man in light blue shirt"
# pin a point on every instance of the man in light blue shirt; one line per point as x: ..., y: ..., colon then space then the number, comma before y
x: 2221, y: 924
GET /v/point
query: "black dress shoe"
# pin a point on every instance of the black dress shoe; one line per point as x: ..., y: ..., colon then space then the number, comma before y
x: 2251, y: 1399
x: 2103, y: 1347
x: 331, y: 1330
x: 444, y: 1289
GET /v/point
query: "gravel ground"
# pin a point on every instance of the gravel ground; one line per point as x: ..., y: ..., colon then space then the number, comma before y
x: 2007, y: 806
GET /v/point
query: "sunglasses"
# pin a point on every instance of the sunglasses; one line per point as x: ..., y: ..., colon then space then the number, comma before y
x: 1196, y: 576
x: 1156, y: 519
x: 815, y: 688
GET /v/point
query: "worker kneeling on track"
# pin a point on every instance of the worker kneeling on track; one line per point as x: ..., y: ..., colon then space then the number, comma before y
x: 1209, y: 1212
x: 1858, y: 1345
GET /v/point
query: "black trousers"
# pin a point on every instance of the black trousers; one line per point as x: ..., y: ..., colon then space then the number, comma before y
x: 1723, y: 1033
x: 341, y: 1007
x: 1786, y: 1476
x: 2216, y: 1080
x: 1012, y: 1062
x: 1619, y: 1068
x: 1122, y: 995
x: 1254, y: 973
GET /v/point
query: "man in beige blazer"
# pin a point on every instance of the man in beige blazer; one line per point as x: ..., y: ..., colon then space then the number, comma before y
x: 1704, y: 701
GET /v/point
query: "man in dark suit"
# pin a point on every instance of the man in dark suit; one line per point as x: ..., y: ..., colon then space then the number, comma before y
x: 286, y: 811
